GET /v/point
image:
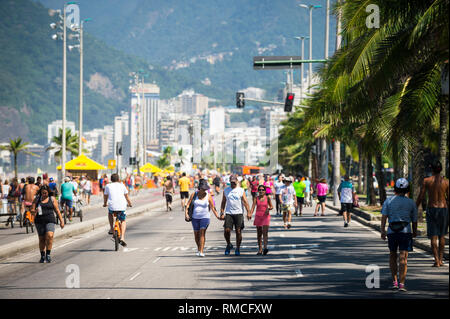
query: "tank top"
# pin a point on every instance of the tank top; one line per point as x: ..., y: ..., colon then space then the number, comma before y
x: 48, y: 215
x: 261, y: 206
x: 201, y: 208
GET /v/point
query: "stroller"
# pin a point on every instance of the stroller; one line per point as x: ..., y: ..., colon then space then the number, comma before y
x: 77, y: 207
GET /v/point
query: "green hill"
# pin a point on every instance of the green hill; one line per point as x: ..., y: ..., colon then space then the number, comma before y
x: 31, y: 75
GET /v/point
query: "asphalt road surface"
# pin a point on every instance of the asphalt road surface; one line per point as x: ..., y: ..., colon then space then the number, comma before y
x: 316, y: 258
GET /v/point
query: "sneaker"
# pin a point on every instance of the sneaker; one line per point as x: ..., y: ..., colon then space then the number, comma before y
x: 288, y: 226
x: 48, y: 258
x: 265, y: 251
x: 110, y: 232
x: 42, y: 259
x: 402, y: 287
x: 345, y: 224
x: 394, y: 285
x: 237, y: 252
x: 197, y: 254
x: 227, y: 250
x: 201, y: 254
x: 124, y: 244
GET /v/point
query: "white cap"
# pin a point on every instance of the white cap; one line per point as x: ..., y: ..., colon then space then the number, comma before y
x: 401, y: 183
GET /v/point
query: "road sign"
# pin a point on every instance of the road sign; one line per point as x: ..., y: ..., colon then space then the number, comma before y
x: 111, y: 164
x: 280, y: 62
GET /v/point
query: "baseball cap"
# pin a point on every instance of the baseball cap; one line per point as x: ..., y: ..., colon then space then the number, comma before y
x: 51, y: 179
x: 401, y: 183
x: 288, y: 179
x: 233, y: 179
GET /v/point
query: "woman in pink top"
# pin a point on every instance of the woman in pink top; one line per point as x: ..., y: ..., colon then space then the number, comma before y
x: 322, y: 190
x: 269, y: 186
x: 262, y: 217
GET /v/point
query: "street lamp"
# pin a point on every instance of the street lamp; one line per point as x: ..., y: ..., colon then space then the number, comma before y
x: 302, y: 38
x: 310, y: 7
x: 80, y: 48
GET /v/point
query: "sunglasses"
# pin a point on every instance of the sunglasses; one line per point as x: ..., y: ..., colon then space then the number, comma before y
x: 261, y: 190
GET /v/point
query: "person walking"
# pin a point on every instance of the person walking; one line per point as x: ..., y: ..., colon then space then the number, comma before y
x: 168, y: 191
x: 400, y: 211
x: 87, y: 190
x: 184, y: 183
x: 263, y: 206
x: 288, y: 201
x: 43, y: 209
x: 308, y: 192
x: 254, y: 187
x: 322, y: 191
x: 233, y: 203
x: 68, y: 190
x: 201, y: 216
x: 346, y: 194
x: 299, y: 186
x: 278, y: 185
x: 437, y: 189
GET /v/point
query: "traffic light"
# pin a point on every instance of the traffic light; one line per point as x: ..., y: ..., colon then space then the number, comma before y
x: 240, y: 102
x: 132, y: 161
x: 289, y: 102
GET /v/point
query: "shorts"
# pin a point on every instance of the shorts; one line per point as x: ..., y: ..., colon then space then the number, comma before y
x: 121, y: 215
x: 87, y: 192
x: 346, y: 207
x: 322, y: 199
x: 237, y: 220
x: 437, y: 221
x: 200, y: 223
x: 42, y: 229
x: 300, y: 200
x: 286, y: 208
x: 184, y: 195
x: 67, y: 202
x: 169, y: 198
x: 400, y: 241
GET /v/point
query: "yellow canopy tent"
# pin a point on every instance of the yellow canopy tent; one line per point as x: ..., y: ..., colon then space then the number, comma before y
x: 148, y: 168
x: 82, y: 165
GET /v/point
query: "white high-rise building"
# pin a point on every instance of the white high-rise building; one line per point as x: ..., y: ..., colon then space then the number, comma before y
x: 216, y: 120
x: 193, y: 103
x: 54, y: 127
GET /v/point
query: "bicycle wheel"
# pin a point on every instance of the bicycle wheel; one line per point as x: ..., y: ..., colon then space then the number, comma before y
x: 26, y: 225
x: 65, y: 217
x: 80, y: 214
x: 116, y: 240
x: 32, y: 228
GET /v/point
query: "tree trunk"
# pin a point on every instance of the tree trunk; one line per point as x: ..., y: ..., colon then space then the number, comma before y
x: 360, y: 169
x: 418, y: 172
x: 380, y: 178
x: 396, y: 160
x: 443, y: 133
x: 336, y: 171
x: 15, y: 165
x: 371, y: 195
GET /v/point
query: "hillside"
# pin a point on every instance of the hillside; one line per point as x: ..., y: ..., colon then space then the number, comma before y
x: 210, y: 40
x: 31, y: 75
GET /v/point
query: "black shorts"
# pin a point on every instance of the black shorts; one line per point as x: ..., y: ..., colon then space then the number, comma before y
x: 236, y: 220
x: 300, y: 200
x: 400, y: 241
x: 169, y: 198
x: 346, y: 207
x: 184, y: 195
x: 322, y: 199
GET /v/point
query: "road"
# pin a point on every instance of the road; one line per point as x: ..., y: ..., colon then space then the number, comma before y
x: 316, y: 258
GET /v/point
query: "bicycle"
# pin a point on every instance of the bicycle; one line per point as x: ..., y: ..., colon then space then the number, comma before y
x: 28, y: 220
x: 116, y: 231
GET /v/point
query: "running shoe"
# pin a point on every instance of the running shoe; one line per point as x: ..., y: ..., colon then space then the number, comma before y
x: 124, y: 244
x: 201, y: 254
x: 42, y: 259
x: 110, y: 232
x: 345, y: 224
x: 288, y: 226
x: 401, y: 287
x: 394, y: 285
x: 265, y: 251
x: 237, y: 252
x: 48, y: 258
x: 227, y: 250
x: 197, y: 254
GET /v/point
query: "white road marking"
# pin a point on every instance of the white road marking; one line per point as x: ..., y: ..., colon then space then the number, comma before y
x: 156, y: 249
x: 291, y: 257
x: 281, y: 235
x: 156, y: 260
x: 298, y: 273
x: 132, y: 278
x: 166, y: 249
x: 126, y: 250
x: 294, y: 246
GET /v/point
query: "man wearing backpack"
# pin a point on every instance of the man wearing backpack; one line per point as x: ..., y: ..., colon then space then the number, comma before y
x: 400, y: 211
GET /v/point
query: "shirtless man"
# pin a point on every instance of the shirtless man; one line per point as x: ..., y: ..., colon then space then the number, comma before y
x: 437, y: 189
x: 31, y: 189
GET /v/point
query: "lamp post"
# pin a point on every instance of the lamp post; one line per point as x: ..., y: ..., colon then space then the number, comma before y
x: 310, y: 7
x: 302, y: 38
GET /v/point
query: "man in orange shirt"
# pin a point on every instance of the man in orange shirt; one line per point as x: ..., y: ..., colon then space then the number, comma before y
x: 184, y: 184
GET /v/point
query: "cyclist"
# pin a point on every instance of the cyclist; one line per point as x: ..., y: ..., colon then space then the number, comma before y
x: 116, y: 199
x: 67, y: 192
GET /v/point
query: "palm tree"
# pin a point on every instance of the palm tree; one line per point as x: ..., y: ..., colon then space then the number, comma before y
x: 71, y: 144
x: 15, y: 147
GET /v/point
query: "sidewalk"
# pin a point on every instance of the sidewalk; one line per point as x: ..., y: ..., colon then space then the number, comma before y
x: 15, y: 240
x: 374, y: 222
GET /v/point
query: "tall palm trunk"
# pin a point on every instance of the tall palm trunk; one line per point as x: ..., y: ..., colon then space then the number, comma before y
x: 371, y: 195
x: 418, y: 171
x: 443, y: 133
x: 360, y: 169
x: 396, y: 160
x: 15, y: 165
x: 380, y: 178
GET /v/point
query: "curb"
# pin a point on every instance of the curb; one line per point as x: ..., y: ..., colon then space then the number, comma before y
x: 29, y: 244
x: 368, y: 220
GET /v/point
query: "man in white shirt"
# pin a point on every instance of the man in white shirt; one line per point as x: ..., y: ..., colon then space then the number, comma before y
x: 278, y: 185
x: 233, y: 201
x: 288, y: 199
x: 116, y: 199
